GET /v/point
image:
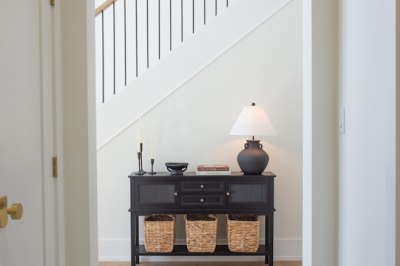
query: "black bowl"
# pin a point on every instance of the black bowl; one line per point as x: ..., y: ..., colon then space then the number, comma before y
x: 176, y: 168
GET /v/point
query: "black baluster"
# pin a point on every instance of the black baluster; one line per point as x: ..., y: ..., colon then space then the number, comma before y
x: 147, y: 29
x: 193, y: 15
x: 170, y: 25
x: 136, y: 25
x: 181, y: 20
x: 114, y: 44
x: 204, y: 12
x: 159, y: 31
x: 102, y: 51
x: 125, y: 42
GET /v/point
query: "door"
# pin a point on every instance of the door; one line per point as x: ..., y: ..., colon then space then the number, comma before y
x: 27, y: 134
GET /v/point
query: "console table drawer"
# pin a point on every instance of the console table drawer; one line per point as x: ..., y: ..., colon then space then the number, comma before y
x: 202, y: 200
x: 211, y: 186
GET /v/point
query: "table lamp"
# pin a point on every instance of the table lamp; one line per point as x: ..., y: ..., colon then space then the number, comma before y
x: 253, y: 120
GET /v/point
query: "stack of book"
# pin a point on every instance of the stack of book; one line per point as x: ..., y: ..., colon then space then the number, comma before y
x: 213, y: 170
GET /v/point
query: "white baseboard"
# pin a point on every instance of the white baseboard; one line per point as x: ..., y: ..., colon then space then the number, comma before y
x: 120, y: 250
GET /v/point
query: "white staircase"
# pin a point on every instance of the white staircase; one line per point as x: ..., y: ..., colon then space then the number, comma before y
x: 165, y: 76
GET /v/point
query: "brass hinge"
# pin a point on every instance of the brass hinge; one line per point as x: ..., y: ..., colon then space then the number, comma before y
x: 52, y: 2
x: 55, y: 168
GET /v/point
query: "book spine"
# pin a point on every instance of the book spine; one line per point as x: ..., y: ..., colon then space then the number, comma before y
x: 213, y: 172
x: 212, y: 168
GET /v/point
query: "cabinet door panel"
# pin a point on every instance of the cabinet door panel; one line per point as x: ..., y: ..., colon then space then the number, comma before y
x: 251, y: 193
x: 153, y: 194
x: 248, y: 193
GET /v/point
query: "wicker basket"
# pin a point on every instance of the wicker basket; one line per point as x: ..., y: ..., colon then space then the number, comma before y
x: 159, y: 233
x: 201, y: 232
x: 243, y: 232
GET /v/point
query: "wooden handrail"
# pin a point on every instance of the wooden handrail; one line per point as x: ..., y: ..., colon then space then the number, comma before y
x: 103, y: 7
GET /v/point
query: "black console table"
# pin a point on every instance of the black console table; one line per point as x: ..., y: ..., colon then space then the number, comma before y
x: 212, y: 194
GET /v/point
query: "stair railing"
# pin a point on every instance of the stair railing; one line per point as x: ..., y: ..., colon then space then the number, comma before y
x: 103, y: 7
x: 111, y: 61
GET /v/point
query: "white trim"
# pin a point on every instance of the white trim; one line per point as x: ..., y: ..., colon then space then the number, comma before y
x: 79, y: 145
x: 58, y: 128
x: 49, y: 138
x: 320, y: 133
x: 307, y: 132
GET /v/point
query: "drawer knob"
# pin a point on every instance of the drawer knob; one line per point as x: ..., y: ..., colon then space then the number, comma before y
x: 227, y: 193
x: 201, y: 186
x: 201, y: 200
x: 176, y: 194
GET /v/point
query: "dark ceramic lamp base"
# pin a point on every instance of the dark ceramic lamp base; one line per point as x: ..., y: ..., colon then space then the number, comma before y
x: 253, y: 159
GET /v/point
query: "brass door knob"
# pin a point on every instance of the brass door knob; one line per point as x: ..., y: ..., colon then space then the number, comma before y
x: 15, y: 211
x: 201, y: 186
x: 201, y: 200
x: 227, y: 193
x: 3, y: 218
x: 176, y: 194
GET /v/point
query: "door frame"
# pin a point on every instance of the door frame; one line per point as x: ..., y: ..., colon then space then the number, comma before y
x: 76, y: 49
x: 51, y: 116
x: 87, y: 184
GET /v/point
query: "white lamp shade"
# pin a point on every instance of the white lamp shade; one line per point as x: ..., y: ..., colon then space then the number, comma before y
x: 253, y: 121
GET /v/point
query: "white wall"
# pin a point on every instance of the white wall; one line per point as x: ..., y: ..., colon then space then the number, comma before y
x: 193, y: 123
x: 367, y: 149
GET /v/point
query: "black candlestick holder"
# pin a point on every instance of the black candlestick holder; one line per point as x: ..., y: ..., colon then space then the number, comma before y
x: 140, y: 159
x: 152, y: 163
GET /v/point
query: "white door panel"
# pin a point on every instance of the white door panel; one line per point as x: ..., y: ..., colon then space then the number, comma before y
x: 26, y: 133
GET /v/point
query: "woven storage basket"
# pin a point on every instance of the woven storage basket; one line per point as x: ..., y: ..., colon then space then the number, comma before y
x: 159, y: 233
x: 201, y: 232
x: 243, y: 232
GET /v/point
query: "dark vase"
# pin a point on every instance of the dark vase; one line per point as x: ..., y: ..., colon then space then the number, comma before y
x: 253, y: 159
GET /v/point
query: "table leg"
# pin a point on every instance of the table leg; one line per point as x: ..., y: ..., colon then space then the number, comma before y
x: 133, y: 241
x: 137, y: 238
x: 271, y: 239
x: 266, y: 238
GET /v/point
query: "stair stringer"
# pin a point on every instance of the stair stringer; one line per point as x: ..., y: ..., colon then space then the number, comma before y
x: 180, y: 65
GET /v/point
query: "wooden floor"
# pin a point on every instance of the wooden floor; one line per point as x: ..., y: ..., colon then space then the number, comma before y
x: 230, y: 263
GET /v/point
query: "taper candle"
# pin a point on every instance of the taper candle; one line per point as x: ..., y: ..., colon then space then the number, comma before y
x: 152, y: 149
x: 140, y: 130
x: 138, y: 135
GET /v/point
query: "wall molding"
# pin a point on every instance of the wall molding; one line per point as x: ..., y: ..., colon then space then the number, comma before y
x: 119, y: 250
x: 180, y: 65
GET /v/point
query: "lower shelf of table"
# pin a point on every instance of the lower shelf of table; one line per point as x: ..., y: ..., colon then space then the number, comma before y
x: 220, y: 250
